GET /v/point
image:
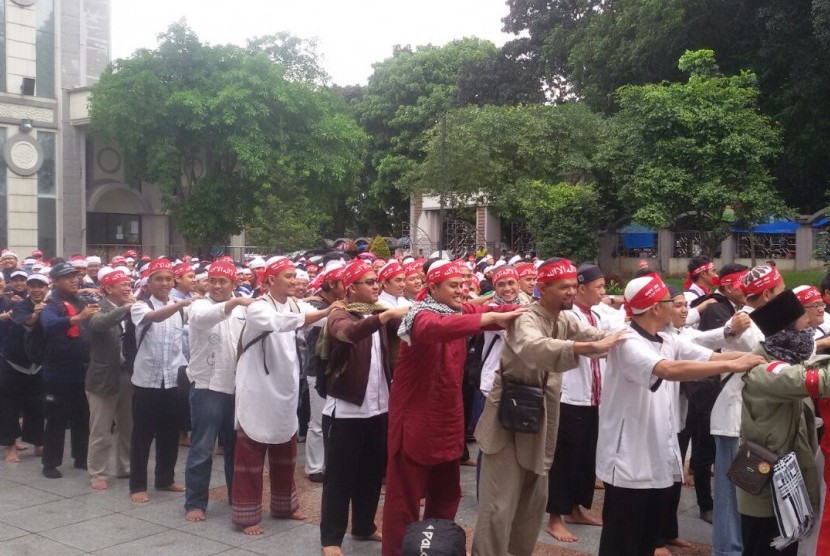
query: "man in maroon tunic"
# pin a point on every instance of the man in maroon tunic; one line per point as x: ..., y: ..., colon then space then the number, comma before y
x: 426, y: 411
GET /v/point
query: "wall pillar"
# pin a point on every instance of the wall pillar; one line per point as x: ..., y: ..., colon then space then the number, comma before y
x: 804, y: 237
x: 665, y: 247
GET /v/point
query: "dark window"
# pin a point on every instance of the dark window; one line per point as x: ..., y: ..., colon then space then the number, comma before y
x: 104, y: 228
x: 47, y: 236
x: 45, y: 48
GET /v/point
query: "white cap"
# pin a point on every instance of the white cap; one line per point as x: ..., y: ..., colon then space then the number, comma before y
x: 130, y: 260
x: 301, y: 275
x: 500, y: 262
x: 38, y: 277
x: 123, y: 269
x: 78, y: 263
x: 30, y: 261
x: 200, y: 277
x: 407, y: 260
x: 17, y: 273
x: 8, y: 253
x: 92, y: 259
x: 103, y: 271
x: 515, y: 259
x: 38, y: 267
x: 257, y: 262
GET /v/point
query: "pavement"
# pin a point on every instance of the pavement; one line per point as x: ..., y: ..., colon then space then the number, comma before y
x: 55, y: 517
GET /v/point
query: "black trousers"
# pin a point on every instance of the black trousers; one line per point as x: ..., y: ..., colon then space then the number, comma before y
x: 631, y: 521
x: 183, y: 386
x: 355, y: 463
x: 669, y: 502
x: 21, y: 395
x: 154, y: 416
x: 758, y: 532
x: 65, y: 405
x: 572, y: 475
x: 703, y: 453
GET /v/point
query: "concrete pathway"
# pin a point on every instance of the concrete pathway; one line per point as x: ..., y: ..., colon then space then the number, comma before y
x: 54, y: 517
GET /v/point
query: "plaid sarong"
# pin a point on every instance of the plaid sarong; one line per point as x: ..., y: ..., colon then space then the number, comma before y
x: 793, y: 509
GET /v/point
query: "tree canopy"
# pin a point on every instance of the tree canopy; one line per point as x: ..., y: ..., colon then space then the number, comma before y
x: 224, y: 130
x: 696, y: 147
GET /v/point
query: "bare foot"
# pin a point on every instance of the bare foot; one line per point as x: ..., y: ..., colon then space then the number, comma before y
x: 184, y: 440
x: 139, y: 497
x: 579, y: 517
x: 38, y: 451
x: 175, y: 487
x: 99, y: 484
x: 252, y: 530
x: 11, y: 456
x: 599, y: 485
x: 558, y: 531
x: 682, y: 543
x: 195, y: 515
x: 332, y: 551
x: 662, y: 551
x: 21, y: 447
x: 298, y: 516
x: 376, y: 536
x: 469, y: 463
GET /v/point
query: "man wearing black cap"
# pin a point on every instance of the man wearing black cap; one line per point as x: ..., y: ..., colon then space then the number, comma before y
x: 779, y: 414
x: 65, y: 361
x: 571, y: 477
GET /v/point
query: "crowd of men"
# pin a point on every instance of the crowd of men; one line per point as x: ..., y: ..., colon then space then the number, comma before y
x: 396, y: 365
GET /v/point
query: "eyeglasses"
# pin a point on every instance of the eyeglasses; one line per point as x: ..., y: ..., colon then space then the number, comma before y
x: 369, y: 282
x: 818, y: 305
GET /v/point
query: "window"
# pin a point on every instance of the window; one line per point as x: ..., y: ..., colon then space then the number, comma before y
x: 105, y: 228
x: 45, y: 46
x: 47, y: 214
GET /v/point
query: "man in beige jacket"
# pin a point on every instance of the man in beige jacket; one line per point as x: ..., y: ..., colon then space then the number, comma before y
x: 538, y: 346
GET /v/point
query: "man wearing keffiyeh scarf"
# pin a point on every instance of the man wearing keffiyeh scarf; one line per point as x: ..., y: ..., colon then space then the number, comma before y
x: 426, y: 415
x: 779, y: 400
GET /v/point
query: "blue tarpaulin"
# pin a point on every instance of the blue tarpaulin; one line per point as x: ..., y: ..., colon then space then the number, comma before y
x: 637, y: 237
x: 776, y: 227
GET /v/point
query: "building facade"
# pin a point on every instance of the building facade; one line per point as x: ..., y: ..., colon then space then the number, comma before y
x: 62, y: 191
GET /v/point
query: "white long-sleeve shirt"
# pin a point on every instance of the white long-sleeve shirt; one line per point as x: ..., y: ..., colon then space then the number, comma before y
x: 214, y: 337
x: 160, y: 354
x: 266, y: 402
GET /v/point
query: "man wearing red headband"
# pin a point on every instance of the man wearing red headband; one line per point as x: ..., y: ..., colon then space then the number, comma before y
x: 267, y: 392
x: 216, y: 323
x: 412, y: 280
x: 527, y: 282
x: 813, y: 303
x: 760, y: 285
x: 538, y: 346
x: 638, y: 457
x: 158, y: 327
x: 701, y: 278
x: 108, y: 387
x: 426, y: 411
x: 393, y: 278
x: 355, y: 413
x: 331, y: 290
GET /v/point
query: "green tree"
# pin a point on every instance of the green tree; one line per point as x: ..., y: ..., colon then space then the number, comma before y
x: 221, y: 129
x: 563, y: 218
x: 379, y: 248
x: 695, y: 147
x: 406, y: 95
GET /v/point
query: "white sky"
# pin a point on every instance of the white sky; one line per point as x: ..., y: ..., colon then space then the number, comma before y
x: 352, y: 34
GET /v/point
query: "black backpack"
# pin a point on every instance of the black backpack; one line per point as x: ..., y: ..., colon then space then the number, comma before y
x: 34, y: 343
x: 434, y: 537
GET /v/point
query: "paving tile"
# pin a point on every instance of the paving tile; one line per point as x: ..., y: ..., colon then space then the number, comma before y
x: 22, y: 473
x: 52, y: 515
x: 116, y: 498
x: 7, y: 532
x: 19, y: 496
x: 218, y: 527
x: 168, y: 543
x: 35, y: 545
x: 169, y: 513
x: 73, y: 483
x: 298, y: 541
x: 103, y: 532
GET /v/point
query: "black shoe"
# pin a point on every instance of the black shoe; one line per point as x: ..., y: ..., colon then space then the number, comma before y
x: 706, y: 516
x: 316, y: 477
x: 80, y: 464
x: 52, y: 473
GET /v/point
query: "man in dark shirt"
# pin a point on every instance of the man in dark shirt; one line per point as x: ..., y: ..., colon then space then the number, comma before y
x: 65, y: 361
x: 21, y: 385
